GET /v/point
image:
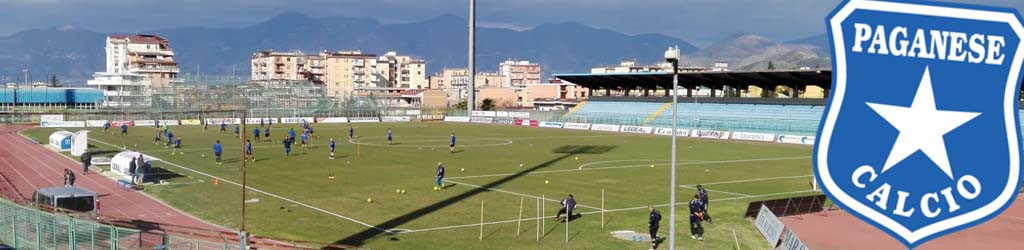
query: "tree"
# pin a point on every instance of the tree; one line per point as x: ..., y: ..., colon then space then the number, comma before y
x: 53, y: 81
x: 487, y: 104
x: 771, y: 66
x: 461, y: 105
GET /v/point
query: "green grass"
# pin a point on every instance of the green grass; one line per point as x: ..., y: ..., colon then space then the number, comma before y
x: 618, y: 164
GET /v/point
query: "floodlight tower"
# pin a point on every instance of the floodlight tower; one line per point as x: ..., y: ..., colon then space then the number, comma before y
x: 672, y: 56
x: 470, y: 100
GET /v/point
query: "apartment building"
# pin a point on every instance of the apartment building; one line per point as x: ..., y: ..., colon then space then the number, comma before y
x: 458, y: 78
x: 147, y: 55
x: 397, y: 71
x: 346, y: 70
x: 519, y: 73
x: 269, y: 65
x: 134, y: 65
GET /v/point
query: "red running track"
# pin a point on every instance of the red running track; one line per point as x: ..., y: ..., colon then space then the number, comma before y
x: 841, y: 230
x: 28, y: 166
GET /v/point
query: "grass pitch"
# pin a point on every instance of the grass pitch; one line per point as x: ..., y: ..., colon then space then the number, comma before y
x: 498, y: 168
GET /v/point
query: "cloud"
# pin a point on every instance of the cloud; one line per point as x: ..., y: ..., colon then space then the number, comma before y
x: 698, y: 21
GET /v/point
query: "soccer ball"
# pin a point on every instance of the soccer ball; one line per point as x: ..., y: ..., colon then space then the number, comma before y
x: 520, y: 165
x: 462, y: 169
x: 577, y: 158
x: 435, y: 188
x: 369, y: 200
x: 398, y: 191
x: 403, y: 191
x: 546, y: 181
x: 204, y: 156
x: 135, y: 145
x: 652, y: 165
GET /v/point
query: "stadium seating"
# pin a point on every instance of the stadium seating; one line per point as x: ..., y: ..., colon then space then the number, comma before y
x: 625, y: 113
x: 779, y: 119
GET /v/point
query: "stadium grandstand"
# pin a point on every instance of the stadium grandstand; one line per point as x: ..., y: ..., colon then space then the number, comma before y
x: 714, y: 100
x: 46, y: 98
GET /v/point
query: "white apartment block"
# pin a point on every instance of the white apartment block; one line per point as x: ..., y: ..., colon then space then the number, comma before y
x: 135, y: 63
x: 520, y: 73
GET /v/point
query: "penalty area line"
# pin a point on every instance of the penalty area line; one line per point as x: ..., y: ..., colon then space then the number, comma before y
x: 592, y: 212
x: 249, y: 187
x: 519, y: 194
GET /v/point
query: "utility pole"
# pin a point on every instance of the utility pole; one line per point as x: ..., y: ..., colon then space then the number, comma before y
x: 26, y: 76
x: 470, y: 100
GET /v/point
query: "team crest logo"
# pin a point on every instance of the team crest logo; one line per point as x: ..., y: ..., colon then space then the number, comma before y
x: 921, y: 134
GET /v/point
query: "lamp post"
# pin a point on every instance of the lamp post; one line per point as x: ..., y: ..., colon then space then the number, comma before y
x: 470, y: 99
x: 672, y: 56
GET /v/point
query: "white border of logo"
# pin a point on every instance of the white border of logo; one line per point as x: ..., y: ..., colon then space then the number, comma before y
x: 840, y: 88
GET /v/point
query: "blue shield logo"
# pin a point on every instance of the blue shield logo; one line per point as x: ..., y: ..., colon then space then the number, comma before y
x: 921, y: 135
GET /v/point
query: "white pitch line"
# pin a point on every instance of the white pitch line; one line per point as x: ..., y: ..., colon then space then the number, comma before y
x: 718, y: 191
x: 266, y: 193
x: 752, y: 180
x: 728, y: 161
x: 593, y: 212
x: 519, y: 194
x: 630, y: 166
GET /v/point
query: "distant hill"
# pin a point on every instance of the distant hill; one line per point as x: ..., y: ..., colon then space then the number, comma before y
x: 74, y: 54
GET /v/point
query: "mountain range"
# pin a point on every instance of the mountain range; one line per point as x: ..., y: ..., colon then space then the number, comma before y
x: 73, y: 54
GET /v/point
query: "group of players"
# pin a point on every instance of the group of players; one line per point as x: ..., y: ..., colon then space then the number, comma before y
x: 698, y: 214
x: 698, y: 206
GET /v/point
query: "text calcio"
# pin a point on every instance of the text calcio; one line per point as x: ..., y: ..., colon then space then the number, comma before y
x: 929, y: 44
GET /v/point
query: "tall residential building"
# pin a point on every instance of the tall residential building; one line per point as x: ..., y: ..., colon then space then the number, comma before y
x: 135, y: 63
x: 458, y: 78
x: 147, y: 55
x: 344, y: 71
x: 271, y: 65
x: 402, y: 71
x: 519, y: 73
x: 341, y: 72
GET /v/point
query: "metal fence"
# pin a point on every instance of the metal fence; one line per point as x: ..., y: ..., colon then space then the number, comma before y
x: 27, y: 228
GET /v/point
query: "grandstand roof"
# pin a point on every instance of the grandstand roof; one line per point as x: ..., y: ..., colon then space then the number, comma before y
x: 737, y: 79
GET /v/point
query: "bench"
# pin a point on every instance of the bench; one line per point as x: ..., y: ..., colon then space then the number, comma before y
x: 124, y: 184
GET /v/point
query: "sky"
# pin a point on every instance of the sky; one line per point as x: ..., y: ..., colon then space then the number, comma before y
x: 698, y: 21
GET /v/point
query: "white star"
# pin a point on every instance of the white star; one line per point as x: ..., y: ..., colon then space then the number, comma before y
x: 921, y: 127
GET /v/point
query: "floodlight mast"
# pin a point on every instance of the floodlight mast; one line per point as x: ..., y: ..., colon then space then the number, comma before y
x: 672, y: 56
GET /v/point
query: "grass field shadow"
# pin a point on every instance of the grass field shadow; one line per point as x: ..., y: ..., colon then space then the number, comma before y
x: 567, y: 152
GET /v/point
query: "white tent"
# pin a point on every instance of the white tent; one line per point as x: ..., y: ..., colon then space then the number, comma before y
x: 120, y: 162
x: 79, y: 142
x: 61, y: 140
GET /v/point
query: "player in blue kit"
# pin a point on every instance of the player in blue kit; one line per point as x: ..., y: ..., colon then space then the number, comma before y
x: 266, y: 133
x: 291, y: 135
x: 439, y: 183
x: 177, y: 146
x: 217, y: 150
x: 248, y: 151
x: 351, y: 132
x: 305, y: 138
x: 170, y: 138
x: 256, y: 133
x: 451, y: 145
x: 389, y: 136
x: 332, y: 148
